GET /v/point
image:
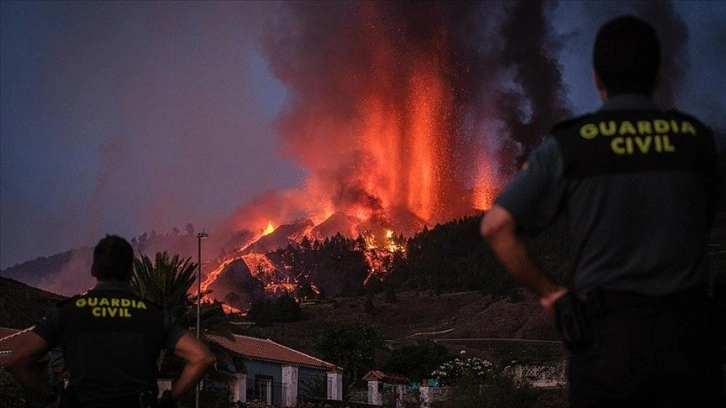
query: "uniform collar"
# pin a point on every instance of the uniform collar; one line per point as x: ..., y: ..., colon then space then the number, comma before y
x: 629, y: 101
x: 113, y: 286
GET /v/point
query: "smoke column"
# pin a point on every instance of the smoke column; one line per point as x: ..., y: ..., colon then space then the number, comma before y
x: 418, y: 108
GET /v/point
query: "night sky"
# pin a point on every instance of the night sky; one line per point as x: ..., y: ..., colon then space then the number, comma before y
x: 123, y: 117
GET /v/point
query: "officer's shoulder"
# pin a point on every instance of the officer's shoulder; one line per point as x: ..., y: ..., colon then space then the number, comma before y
x: 139, y: 297
x: 685, y: 116
x: 150, y: 303
x: 71, y: 299
x: 569, y: 123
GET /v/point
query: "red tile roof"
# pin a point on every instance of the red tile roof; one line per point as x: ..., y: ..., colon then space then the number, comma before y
x: 389, y: 378
x: 249, y: 347
x: 5, y: 332
x: 267, y: 350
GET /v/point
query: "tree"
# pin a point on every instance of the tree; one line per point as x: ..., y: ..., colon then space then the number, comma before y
x: 351, y: 345
x: 418, y: 361
x: 264, y: 312
x: 167, y: 282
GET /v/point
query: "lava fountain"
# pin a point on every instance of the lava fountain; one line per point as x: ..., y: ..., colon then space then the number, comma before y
x: 405, y: 114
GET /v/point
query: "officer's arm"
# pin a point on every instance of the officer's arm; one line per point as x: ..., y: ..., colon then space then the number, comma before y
x: 499, y: 229
x: 198, y: 358
x: 22, y: 364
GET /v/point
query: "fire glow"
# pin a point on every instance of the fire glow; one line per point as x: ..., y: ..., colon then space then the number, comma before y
x: 402, y: 114
x: 268, y: 229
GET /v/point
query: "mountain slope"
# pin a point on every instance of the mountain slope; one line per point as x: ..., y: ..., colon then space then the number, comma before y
x: 22, y: 305
x: 457, y: 320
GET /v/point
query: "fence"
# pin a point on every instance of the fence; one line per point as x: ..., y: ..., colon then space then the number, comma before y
x: 539, y: 375
x: 265, y: 391
x: 507, y: 350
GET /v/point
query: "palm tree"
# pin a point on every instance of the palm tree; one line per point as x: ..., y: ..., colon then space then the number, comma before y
x: 167, y: 282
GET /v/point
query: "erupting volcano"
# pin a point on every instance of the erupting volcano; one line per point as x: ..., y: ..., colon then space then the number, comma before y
x: 403, y: 114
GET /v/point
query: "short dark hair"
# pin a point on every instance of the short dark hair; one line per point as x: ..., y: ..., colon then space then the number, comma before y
x: 627, y: 55
x: 113, y: 259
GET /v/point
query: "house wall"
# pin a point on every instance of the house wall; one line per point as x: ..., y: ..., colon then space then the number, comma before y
x: 290, y: 383
x: 307, y: 379
x: 273, y: 370
x: 239, y: 388
x: 262, y: 368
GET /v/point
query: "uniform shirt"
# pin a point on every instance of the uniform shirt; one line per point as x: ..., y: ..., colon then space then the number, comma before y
x: 111, y: 339
x: 639, y: 189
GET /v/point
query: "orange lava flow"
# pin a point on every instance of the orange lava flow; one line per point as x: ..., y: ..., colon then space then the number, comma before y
x: 212, y: 276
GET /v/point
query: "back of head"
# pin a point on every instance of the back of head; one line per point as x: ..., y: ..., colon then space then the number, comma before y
x: 627, y: 55
x: 113, y: 259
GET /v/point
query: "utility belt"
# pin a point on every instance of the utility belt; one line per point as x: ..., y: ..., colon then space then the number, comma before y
x: 574, y: 313
x: 599, y: 302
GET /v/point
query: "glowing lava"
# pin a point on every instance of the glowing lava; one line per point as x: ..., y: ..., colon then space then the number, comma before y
x: 400, y: 115
x: 268, y: 229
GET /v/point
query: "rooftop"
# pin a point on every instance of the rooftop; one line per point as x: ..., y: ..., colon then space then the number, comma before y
x: 252, y: 348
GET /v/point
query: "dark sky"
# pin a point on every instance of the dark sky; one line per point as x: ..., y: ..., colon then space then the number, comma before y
x: 123, y: 117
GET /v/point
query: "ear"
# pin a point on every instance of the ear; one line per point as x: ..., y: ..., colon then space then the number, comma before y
x: 600, y: 85
x: 93, y: 271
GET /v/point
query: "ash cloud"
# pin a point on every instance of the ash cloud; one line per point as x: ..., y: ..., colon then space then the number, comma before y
x: 129, y: 117
x: 496, y: 62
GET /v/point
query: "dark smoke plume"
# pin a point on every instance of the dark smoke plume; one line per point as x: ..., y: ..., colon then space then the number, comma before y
x: 495, y: 64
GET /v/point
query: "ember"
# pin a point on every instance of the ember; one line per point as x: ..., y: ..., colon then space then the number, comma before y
x: 403, y: 114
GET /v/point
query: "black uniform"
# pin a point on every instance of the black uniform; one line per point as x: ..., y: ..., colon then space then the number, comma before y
x: 111, y: 339
x: 639, y: 187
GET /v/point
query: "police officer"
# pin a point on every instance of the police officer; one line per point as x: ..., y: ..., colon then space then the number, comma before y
x: 639, y: 189
x: 110, y: 339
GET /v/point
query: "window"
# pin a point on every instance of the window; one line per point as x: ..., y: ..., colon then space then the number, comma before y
x: 263, y: 389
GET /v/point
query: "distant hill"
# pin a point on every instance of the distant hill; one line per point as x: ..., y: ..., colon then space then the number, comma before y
x: 66, y: 273
x: 22, y: 305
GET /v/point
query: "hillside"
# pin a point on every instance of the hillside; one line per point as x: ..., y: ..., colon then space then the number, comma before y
x: 22, y: 305
x: 413, y: 317
x: 460, y: 321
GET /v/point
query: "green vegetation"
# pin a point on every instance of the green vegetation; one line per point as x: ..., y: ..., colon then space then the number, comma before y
x: 264, y: 312
x: 336, y: 265
x: 447, y: 258
x: 167, y: 281
x: 500, y: 391
x: 417, y: 362
x: 351, y: 345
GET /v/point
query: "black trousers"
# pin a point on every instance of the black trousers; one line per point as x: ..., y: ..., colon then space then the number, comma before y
x: 142, y: 399
x: 648, y: 352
